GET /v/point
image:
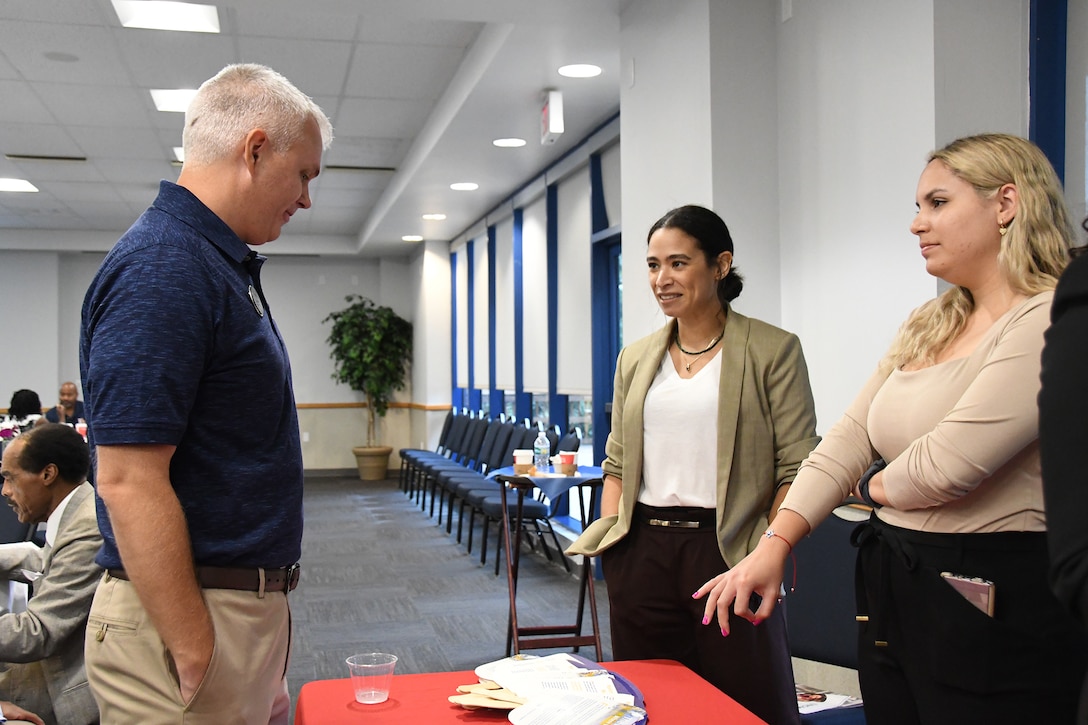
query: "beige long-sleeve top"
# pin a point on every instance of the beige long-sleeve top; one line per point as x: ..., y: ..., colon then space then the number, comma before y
x: 960, y: 438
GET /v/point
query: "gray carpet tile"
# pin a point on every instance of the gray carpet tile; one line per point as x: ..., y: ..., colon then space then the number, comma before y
x: 379, y: 574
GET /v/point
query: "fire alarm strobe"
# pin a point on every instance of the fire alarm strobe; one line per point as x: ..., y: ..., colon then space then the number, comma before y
x: 551, y: 117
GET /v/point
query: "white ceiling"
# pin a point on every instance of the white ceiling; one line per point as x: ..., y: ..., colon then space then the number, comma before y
x: 416, y: 90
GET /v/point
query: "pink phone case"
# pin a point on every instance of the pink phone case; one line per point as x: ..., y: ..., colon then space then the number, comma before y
x: 979, y: 592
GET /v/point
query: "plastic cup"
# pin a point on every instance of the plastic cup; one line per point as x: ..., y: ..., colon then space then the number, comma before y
x: 566, y: 463
x: 371, y: 675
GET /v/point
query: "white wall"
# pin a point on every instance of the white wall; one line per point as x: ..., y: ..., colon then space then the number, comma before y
x: 1076, y: 75
x: 30, y: 300
x: 665, y: 130
x: 856, y: 118
x: 743, y: 148
x: 43, y: 293
x: 808, y: 135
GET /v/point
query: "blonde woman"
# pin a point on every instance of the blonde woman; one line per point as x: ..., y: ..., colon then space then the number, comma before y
x: 952, y: 410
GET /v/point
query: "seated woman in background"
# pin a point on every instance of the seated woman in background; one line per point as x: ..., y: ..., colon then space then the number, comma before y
x: 952, y: 408
x: 711, y: 417
x: 25, y: 408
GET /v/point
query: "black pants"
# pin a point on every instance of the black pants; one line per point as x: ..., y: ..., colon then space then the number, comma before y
x: 945, y: 661
x: 651, y: 575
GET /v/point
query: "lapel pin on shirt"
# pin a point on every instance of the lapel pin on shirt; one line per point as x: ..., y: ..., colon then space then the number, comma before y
x: 256, y: 300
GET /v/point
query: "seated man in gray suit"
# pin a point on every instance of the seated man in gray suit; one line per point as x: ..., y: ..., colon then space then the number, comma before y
x: 45, y: 479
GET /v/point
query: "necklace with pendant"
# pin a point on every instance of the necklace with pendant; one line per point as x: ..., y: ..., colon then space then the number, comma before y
x: 699, y: 353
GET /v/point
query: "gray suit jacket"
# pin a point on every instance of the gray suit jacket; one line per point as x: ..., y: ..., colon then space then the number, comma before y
x: 45, y: 643
x: 766, y: 427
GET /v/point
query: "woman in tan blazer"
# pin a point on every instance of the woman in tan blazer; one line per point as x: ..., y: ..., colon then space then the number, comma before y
x: 696, y: 465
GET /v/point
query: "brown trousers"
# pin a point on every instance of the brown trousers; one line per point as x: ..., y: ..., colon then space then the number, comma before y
x: 132, y: 675
x: 651, y: 575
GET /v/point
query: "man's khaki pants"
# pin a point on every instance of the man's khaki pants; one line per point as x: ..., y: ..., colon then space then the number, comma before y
x: 132, y: 674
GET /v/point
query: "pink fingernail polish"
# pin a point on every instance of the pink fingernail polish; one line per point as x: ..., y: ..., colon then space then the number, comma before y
x: 695, y: 595
x: 725, y: 633
x: 755, y: 622
x: 706, y: 620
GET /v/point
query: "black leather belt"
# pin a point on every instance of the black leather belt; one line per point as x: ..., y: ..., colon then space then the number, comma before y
x: 679, y: 517
x: 248, y: 580
x: 676, y: 524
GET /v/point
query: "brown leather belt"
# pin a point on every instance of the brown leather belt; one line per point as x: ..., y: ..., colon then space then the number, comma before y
x: 248, y: 580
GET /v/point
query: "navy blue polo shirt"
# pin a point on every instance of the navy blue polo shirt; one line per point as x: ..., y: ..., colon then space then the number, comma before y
x: 178, y: 347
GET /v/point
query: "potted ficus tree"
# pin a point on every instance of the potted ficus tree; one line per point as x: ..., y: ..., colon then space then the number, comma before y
x: 372, y: 350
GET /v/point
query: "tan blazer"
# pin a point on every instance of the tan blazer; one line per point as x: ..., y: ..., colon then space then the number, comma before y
x: 766, y: 427
x: 44, y: 644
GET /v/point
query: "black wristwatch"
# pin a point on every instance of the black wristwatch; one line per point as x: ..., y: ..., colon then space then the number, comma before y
x: 863, y: 483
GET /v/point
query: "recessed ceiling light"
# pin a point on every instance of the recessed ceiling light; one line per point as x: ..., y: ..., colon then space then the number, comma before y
x: 411, y: 238
x: 509, y: 143
x: 163, y: 15
x: 179, y: 153
x: 580, y: 70
x: 172, y: 100
x: 464, y: 186
x: 434, y: 217
x: 16, y: 185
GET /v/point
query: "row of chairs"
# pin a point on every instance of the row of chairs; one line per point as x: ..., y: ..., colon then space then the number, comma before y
x: 454, y: 475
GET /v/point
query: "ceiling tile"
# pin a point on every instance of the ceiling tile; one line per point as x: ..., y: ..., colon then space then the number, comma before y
x: 306, y: 23
x: 25, y: 45
x: 153, y: 56
x: 381, y: 117
x: 21, y: 105
x: 37, y: 140
x: 89, y: 105
x: 402, y: 71
x: 315, y: 67
x: 130, y: 143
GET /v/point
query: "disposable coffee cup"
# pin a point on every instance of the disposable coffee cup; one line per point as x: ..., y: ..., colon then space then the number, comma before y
x: 523, y: 461
x: 567, y: 466
x: 371, y: 676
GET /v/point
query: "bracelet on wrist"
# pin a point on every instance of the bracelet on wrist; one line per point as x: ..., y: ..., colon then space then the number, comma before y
x: 770, y: 534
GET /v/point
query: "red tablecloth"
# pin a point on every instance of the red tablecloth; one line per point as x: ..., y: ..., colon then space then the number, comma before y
x: 674, y: 696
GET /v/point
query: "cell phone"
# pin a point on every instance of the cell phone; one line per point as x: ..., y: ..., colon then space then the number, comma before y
x: 976, y: 590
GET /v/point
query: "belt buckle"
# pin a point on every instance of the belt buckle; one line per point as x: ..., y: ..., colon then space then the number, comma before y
x: 668, y: 523
x: 290, y: 578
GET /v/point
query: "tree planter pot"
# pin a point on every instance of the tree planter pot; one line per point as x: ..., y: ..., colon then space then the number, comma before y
x: 373, y: 462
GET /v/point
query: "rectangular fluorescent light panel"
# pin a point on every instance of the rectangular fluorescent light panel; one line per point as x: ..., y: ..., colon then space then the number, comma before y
x: 172, y: 100
x: 16, y: 185
x: 163, y: 15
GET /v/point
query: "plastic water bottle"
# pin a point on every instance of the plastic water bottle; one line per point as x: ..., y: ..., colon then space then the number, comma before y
x: 542, y: 451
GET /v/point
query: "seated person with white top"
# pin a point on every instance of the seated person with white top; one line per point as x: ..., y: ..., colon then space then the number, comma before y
x: 45, y: 479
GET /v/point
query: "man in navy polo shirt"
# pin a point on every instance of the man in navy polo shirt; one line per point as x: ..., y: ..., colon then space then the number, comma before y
x: 188, y: 387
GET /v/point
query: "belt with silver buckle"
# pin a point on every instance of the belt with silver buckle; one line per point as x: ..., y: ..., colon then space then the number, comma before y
x: 674, y: 524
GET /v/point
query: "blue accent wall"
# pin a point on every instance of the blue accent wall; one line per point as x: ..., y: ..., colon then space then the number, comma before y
x: 496, y: 394
x: 1046, y: 79
x: 457, y: 395
x: 558, y: 413
x: 523, y: 407
x: 470, y: 297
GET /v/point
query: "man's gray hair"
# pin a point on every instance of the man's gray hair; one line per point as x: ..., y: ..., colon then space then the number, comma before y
x: 237, y: 100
